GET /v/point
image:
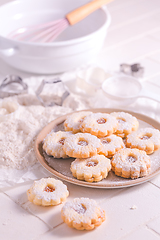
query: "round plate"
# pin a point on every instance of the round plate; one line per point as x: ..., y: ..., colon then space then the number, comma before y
x: 61, y: 167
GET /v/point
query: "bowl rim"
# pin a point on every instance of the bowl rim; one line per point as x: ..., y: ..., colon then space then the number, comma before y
x: 105, y: 25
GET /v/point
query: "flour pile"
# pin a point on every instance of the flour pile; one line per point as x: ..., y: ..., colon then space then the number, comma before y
x: 17, y: 133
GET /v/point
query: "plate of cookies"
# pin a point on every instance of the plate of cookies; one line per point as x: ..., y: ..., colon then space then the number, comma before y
x: 101, y: 148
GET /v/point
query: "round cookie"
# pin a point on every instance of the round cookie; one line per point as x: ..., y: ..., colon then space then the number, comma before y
x: 81, y: 145
x: 110, y: 145
x: 147, y: 139
x: 82, y: 214
x: 126, y: 123
x: 47, y: 192
x: 91, y: 169
x: 73, y: 121
x: 53, y: 144
x: 131, y: 163
x: 99, y: 124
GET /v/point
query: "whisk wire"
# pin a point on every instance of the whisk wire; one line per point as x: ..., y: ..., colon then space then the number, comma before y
x: 50, y: 32
x: 53, y: 37
x: 56, y: 32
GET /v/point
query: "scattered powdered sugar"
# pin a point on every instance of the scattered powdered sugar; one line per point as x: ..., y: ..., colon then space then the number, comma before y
x: 155, y: 161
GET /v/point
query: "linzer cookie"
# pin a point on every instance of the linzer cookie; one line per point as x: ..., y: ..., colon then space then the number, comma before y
x: 73, y: 121
x: 91, y: 169
x: 131, y: 163
x: 47, y: 192
x: 82, y: 214
x: 126, y: 123
x: 53, y: 144
x: 147, y: 139
x: 81, y: 145
x: 99, y: 124
x: 110, y: 145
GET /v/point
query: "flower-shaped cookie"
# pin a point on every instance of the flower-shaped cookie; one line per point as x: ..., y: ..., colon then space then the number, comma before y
x: 47, y: 191
x: 82, y: 214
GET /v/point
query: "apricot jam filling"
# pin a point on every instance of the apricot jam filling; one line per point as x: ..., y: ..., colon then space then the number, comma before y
x: 145, y: 137
x: 101, y: 121
x: 120, y: 120
x: 105, y: 141
x: 62, y: 141
x: 49, y: 189
x: 91, y: 164
x: 80, y: 209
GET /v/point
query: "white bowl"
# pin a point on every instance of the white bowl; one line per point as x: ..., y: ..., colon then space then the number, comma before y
x: 77, y: 45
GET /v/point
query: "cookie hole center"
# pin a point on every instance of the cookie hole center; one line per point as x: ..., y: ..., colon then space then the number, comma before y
x: 131, y: 159
x: 101, y: 121
x: 49, y: 188
x: 82, y: 143
x: 80, y: 208
x: 106, y: 141
x: 91, y: 163
x: 61, y: 141
x: 121, y: 120
x: 81, y: 120
x: 146, y: 136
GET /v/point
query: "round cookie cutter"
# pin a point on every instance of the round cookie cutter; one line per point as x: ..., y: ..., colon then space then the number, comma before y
x: 126, y: 89
x: 19, y: 86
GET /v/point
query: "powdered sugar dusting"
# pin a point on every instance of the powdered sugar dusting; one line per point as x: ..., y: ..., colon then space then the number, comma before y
x: 126, y: 122
x: 38, y: 189
x: 73, y: 209
x: 111, y: 144
x: 81, y: 144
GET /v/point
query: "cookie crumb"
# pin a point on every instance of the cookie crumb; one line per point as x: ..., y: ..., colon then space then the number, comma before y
x: 133, y: 207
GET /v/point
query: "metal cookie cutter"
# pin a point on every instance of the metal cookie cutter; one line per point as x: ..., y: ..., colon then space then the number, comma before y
x: 135, y: 69
x: 12, y: 80
x: 54, y: 99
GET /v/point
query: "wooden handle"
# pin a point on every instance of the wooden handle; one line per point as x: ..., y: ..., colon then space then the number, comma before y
x: 82, y: 12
